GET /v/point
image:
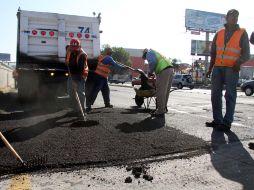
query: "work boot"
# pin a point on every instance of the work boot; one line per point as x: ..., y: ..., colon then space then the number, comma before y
x: 88, y: 109
x: 109, y: 106
x: 223, y: 128
x: 251, y: 145
x: 157, y: 115
x: 211, y: 124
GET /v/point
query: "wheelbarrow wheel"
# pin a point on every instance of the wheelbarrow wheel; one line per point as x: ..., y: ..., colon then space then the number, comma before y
x: 139, y: 100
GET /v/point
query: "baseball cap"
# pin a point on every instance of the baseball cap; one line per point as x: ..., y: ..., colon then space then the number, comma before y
x: 108, y: 50
x: 144, y: 53
x: 233, y: 12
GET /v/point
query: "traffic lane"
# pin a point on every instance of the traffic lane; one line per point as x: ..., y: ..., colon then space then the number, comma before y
x: 110, y: 136
x: 181, y: 98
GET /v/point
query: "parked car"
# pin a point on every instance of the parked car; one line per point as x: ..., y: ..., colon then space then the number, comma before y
x: 248, y: 87
x: 183, y: 80
x: 118, y: 78
x: 116, y: 81
x: 240, y: 81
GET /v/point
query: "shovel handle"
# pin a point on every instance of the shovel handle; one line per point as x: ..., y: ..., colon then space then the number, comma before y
x: 11, y: 148
x: 79, y: 104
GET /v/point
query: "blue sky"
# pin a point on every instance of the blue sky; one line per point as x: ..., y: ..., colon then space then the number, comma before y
x: 129, y: 23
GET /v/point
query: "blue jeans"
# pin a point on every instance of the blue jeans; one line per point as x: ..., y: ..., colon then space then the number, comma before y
x: 224, y: 76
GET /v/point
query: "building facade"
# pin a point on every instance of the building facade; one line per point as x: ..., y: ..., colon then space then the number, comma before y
x: 136, y: 61
x: 247, y: 69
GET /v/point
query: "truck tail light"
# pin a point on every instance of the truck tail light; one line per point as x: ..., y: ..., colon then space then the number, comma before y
x: 43, y: 33
x: 34, y: 32
x: 87, y: 35
x: 51, y: 33
x: 79, y: 35
x: 71, y: 34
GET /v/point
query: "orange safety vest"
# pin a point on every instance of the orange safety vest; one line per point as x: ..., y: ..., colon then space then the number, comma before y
x: 227, y: 54
x: 102, y: 69
x: 67, y: 60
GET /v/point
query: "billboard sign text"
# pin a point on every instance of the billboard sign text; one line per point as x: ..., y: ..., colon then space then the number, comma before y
x: 203, y: 21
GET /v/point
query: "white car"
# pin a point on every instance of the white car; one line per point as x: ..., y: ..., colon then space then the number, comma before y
x: 183, y: 80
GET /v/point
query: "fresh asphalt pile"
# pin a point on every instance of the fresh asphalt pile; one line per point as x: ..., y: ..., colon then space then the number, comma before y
x: 115, y: 136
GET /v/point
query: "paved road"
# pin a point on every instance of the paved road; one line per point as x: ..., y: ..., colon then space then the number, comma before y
x: 229, y: 166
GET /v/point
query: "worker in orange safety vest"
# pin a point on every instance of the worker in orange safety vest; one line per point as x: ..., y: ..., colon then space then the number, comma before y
x: 230, y: 48
x: 100, y: 79
x: 76, y: 61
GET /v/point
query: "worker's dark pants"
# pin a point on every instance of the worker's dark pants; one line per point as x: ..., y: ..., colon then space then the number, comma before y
x: 79, y: 87
x: 89, y: 87
x: 99, y: 84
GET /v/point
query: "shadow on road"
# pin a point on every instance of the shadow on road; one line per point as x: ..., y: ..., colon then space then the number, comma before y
x: 148, y: 124
x: 21, y: 134
x: 135, y: 110
x: 13, y: 109
x: 231, y: 160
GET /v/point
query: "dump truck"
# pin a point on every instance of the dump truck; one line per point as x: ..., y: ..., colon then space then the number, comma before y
x: 42, y: 38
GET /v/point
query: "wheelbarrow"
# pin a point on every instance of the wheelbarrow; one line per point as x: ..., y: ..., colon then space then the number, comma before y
x: 145, y: 94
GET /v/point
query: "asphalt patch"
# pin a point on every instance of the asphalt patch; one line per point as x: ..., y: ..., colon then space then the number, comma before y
x: 108, y: 137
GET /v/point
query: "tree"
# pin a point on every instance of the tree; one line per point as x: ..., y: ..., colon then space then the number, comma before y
x: 119, y: 55
x: 122, y: 56
x: 175, y: 63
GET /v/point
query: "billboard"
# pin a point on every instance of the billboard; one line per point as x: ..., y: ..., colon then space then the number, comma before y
x: 203, y: 21
x: 200, y: 48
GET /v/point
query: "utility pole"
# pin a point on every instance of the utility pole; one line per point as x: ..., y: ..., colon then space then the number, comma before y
x: 206, y: 57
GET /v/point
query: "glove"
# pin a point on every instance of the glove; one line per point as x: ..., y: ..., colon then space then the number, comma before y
x: 236, y: 67
x: 208, y: 73
x: 151, y: 75
x: 126, y: 67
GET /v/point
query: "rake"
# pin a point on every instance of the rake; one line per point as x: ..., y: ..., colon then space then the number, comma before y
x: 33, y: 163
x: 76, y: 96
